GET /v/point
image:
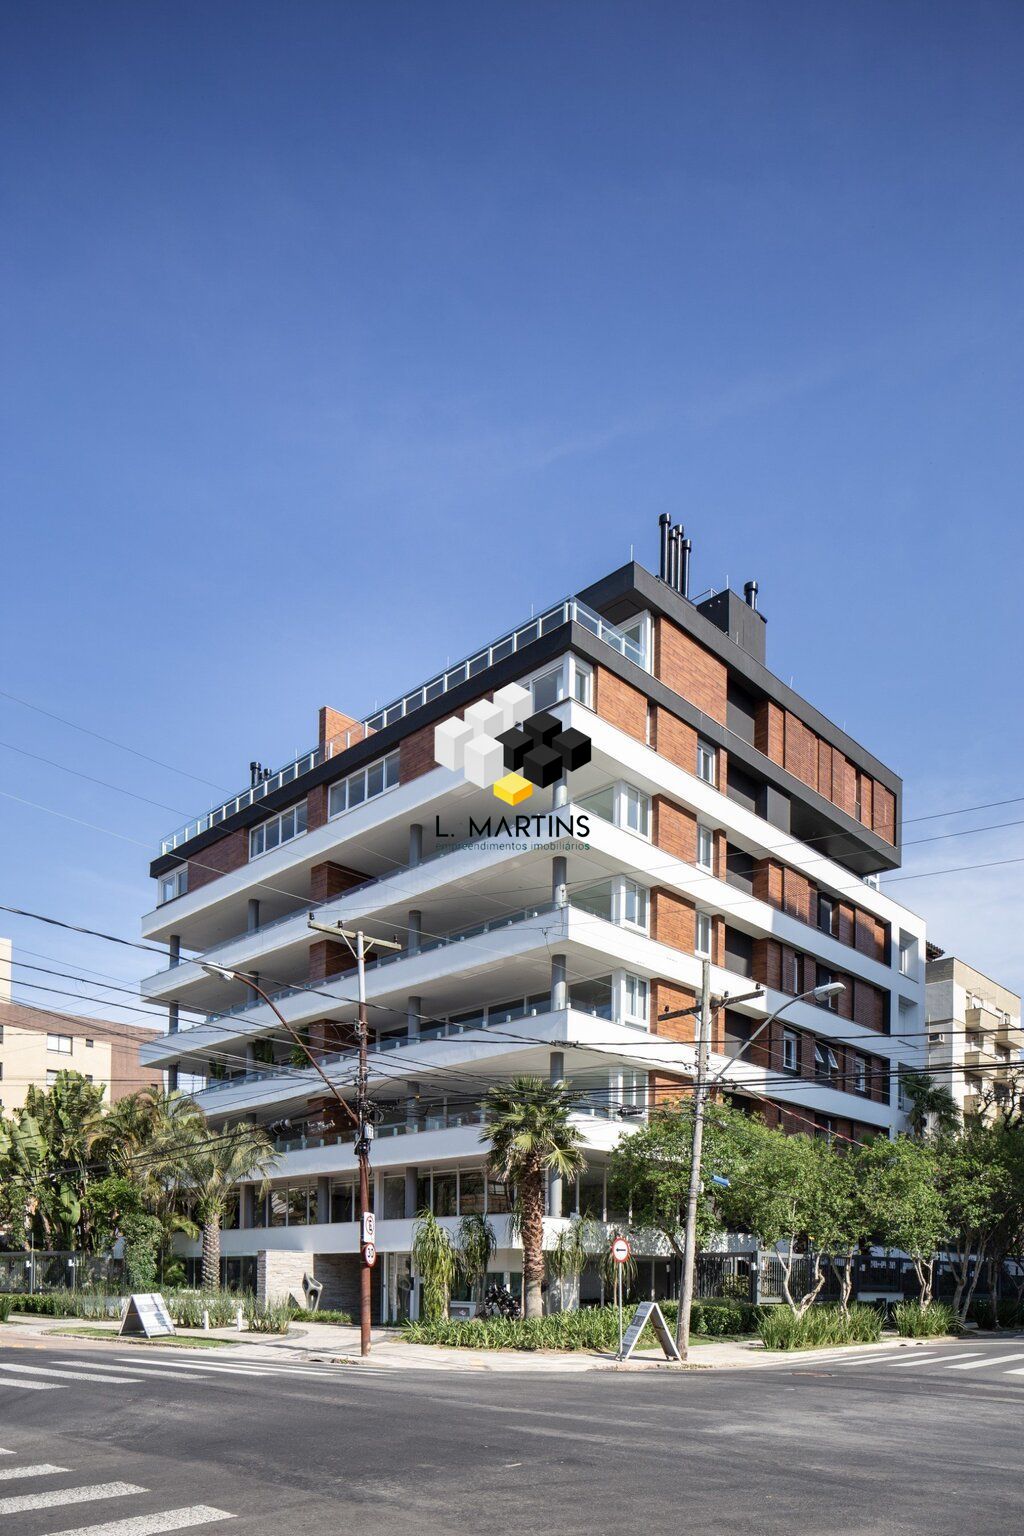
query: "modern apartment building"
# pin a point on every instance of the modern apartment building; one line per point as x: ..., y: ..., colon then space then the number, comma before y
x: 707, y: 810
x: 974, y: 1033
x: 36, y: 1044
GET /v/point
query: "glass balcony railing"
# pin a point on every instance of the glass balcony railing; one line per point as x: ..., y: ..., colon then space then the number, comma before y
x: 570, y: 611
x: 426, y: 946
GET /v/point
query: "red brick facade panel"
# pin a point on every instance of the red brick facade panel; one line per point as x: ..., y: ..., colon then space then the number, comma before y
x: 334, y: 727
x: 674, y: 829
x: 672, y: 920
x: 220, y: 858
x: 620, y: 704
x: 689, y: 670
x: 666, y: 997
x: 674, y: 740
x: 328, y: 958
x: 329, y: 880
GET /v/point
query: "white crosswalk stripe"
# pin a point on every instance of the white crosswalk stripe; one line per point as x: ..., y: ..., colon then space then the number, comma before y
x: 236, y: 1367
x: 977, y: 1365
x: 40, y: 1469
x: 51, y: 1371
x: 61, y: 1496
x: 152, y: 1525
x: 30, y: 1386
x: 184, y: 1517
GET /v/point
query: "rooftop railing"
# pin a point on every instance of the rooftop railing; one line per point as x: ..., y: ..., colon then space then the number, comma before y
x: 571, y: 610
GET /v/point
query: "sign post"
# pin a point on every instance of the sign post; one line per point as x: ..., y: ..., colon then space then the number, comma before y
x: 620, y: 1256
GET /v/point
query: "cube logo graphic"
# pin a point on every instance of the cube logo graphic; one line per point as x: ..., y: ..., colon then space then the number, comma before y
x: 502, y: 746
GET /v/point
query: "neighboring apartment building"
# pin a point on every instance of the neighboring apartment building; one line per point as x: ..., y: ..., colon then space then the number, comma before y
x: 36, y: 1044
x: 719, y: 815
x: 974, y: 1033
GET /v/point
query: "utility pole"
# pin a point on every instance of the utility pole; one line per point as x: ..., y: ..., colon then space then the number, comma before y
x: 700, y: 1085
x: 690, y: 1233
x: 357, y: 942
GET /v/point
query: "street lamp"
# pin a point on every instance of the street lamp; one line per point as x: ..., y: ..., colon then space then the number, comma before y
x: 815, y: 994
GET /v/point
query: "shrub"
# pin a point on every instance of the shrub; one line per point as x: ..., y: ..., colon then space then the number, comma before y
x: 594, y: 1328
x: 64, y: 1303
x: 187, y: 1307
x: 268, y: 1317
x: 819, y: 1327
x: 6, y: 1307
x: 324, y: 1315
x: 916, y: 1322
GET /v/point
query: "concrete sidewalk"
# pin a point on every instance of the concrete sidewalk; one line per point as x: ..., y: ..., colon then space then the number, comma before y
x: 340, y: 1344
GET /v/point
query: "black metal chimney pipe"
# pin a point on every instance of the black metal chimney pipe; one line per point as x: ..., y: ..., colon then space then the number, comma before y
x: 684, y: 574
x: 673, y: 557
x: 678, y: 530
x: 750, y: 594
x: 664, y: 524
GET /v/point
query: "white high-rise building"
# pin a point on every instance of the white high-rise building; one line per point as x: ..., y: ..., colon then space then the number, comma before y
x: 715, y: 812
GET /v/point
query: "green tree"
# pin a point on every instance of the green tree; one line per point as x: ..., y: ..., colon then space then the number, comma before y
x: 531, y: 1136
x: 929, y: 1102
x: 649, y: 1173
x: 476, y: 1246
x: 216, y: 1162
x: 777, y: 1195
x: 46, y: 1162
x: 909, y: 1208
x: 437, y: 1263
x: 974, y: 1177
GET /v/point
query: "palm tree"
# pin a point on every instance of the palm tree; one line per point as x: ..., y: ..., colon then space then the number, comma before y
x: 527, y: 1125
x: 216, y: 1162
x: 928, y: 1098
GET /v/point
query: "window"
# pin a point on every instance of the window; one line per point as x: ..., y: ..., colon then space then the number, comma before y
x: 826, y: 914
x: 51, y: 1077
x: 790, y: 1052
x: 636, y: 810
x: 860, y: 1075
x: 638, y: 640
x: 279, y: 829
x: 825, y: 978
x: 826, y: 1067
x: 908, y: 954
x: 88, y: 1043
x: 365, y: 784
x: 583, y: 683
x: 88, y: 1077
x: 702, y: 945
x: 61, y: 1043
x: 705, y: 849
x: 793, y: 972
x: 636, y: 996
x: 707, y: 762
x: 173, y: 884
x: 548, y: 689
x: 633, y: 905
x: 601, y: 803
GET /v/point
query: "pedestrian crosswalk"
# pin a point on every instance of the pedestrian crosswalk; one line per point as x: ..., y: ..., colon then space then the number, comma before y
x: 934, y: 1358
x: 137, y: 1369
x: 123, y: 1500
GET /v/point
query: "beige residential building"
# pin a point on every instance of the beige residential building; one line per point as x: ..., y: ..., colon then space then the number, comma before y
x: 36, y: 1044
x: 974, y: 1032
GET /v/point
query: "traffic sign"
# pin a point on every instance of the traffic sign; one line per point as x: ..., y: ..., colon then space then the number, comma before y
x: 369, y: 1233
x: 369, y: 1254
x: 620, y: 1250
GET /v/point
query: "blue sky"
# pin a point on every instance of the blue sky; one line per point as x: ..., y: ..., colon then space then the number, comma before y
x: 335, y: 336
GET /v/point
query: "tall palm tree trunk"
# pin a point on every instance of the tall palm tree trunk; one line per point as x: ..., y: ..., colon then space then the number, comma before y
x: 532, y: 1196
x: 211, y: 1252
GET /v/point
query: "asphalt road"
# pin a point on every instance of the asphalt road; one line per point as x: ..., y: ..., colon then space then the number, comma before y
x: 926, y: 1439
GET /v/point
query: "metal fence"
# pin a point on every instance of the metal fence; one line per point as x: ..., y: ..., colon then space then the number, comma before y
x: 34, y: 1271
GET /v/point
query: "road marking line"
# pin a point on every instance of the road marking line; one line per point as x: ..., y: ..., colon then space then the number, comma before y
x: 49, y: 1370
x: 32, y: 1386
x: 934, y: 1359
x: 916, y: 1360
x: 256, y: 1368
x: 68, y: 1496
x: 185, y: 1370
x: 41, y: 1469
x: 977, y: 1365
x: 152, y: 1525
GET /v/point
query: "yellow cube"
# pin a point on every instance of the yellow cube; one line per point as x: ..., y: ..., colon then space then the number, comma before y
x: 513, y: 789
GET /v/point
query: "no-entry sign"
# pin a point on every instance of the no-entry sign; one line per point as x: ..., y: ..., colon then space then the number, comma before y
x: 620, y: 1250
